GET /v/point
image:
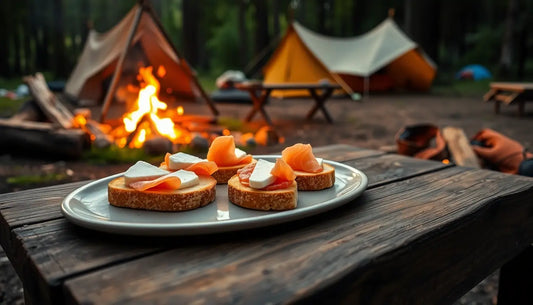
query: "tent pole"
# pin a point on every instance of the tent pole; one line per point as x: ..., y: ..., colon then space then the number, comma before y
x: 120, y: 63
x: 354, y: 96
x: 367, y: 85
x: 185, y: 67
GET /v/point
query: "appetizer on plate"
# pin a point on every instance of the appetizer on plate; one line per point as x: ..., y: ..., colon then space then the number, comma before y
x: 181, y: 183
x: 312, y: 174
x: 227, y: 157
x: 264, y: 185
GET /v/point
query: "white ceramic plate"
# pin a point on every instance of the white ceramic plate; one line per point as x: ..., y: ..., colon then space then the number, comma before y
x: 88, y: 207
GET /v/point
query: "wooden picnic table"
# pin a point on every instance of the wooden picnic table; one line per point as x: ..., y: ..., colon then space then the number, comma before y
x: 423, y: 232
x: 260, y: 93
x: 509, y: 93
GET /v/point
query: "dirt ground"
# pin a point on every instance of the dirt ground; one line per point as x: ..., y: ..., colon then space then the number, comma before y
x: 371, y: 123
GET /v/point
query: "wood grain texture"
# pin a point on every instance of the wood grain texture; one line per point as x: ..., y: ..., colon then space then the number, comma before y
x: 420, y: 223
x: 342, y: 152
x: 56, y: 248
x: 393, y: 243
x: 383, y: 169
x: 25, y: 226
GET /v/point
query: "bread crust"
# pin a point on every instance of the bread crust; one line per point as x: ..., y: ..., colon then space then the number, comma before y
x: 224, y: 173
x: 316, y: 181
x: 120, y: 195
x: 247, y: 197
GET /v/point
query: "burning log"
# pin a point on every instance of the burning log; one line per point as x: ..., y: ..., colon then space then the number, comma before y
x: 30, y: 137
x: 49, y: 103
x: 99, y: 137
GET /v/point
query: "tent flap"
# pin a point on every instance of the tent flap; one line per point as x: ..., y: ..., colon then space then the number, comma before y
x: 149, y: 47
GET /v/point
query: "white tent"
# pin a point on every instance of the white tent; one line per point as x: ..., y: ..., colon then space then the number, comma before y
x: 385, y: 56
x: 361, y: 55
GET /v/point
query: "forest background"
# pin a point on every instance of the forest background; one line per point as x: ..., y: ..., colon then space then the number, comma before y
x: 214, y: 36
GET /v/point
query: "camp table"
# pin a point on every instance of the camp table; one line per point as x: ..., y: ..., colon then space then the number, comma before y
x: 423, y: 232
x: 260, y: 92
x: 509, y: 93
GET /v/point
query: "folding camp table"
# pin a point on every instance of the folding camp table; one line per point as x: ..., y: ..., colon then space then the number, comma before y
x: 260, y: 92
x: 510, y: 93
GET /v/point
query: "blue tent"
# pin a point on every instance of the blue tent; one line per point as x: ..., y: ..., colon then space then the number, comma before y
x: 475, y: 72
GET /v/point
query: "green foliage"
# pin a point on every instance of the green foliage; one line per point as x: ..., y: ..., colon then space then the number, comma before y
x: 8, y: 107
x: 462, y: 88
x: 483, y: 47
x: 36, y: 179
x: 223, y: 46
x: 114, y: 154
x: 208, y: 80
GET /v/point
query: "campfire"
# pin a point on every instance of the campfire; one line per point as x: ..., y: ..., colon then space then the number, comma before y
x: 150, y: 117
x: 146, y: 119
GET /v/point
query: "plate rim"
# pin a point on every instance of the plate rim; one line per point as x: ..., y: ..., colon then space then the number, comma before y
x: 200, y: 228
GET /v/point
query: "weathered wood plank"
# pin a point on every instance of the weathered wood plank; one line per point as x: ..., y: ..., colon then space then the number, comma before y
x: 410, y: 242
x: 343, y: 152
x: 47, y: 239
x: 385, y: 169
x: 34, y: 205
x: 64, y: 247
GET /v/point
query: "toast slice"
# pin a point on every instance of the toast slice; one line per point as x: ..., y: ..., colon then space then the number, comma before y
x: 120, y: 195
x: 316, y: 181
x: 247, y: 197
x: 224, y: 173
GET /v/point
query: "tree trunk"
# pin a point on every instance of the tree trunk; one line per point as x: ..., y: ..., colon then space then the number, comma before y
x: 322, y: 16
x: 422, y: 25
x: 359, y: 12
x: 86, y: 23
x: 5, y: 30
x: 40, y: 29
x: 243, y: 35
x: 17, y: 68
x: 28, y: 37
x: 61, y: 61
x: 275, y: 18
x: 190, y: 31
x: 261, y: 25
x: 506, y: 56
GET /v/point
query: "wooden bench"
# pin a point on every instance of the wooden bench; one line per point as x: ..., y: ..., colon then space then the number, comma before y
x: 509, y: 94
x: 260, y: 92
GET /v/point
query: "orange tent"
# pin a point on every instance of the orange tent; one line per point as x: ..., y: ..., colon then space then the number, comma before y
x: 382, y: 59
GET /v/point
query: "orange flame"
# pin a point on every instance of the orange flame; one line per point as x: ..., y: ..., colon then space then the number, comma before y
x: 145, y: 121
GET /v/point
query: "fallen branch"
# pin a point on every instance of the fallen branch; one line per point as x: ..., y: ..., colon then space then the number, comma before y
x: 459, y: 147
x: 49, y: 103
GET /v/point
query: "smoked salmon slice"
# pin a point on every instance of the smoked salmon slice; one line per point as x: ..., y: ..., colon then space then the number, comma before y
x: 222, y: 152
x: 300, y: 157
x: 204, y: 168
x: 168, y: 181
x: 282, y: 171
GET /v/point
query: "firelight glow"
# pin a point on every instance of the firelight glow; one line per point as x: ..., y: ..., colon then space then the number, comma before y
x: 145, y: 118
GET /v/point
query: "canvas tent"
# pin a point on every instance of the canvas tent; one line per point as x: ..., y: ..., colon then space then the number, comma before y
x: 137, y: 40
x: 381, y: 59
